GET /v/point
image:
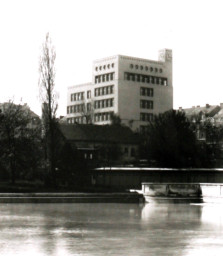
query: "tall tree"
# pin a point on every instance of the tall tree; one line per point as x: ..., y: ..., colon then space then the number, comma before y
x: 171, y: 142
x: 210, y: 137
x: 18, y: 140
x: 48, y: 97
x: 115, y: 119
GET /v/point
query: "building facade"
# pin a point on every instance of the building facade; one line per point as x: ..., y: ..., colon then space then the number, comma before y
x: 133, y: 88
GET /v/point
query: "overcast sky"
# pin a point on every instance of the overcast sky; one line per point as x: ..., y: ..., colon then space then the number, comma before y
x: 85, y: 30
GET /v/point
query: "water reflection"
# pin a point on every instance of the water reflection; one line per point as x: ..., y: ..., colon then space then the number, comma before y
x: 113, y: 229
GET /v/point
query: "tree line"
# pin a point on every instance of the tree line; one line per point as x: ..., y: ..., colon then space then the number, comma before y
x: 172, y: 140
x: 37, y: 152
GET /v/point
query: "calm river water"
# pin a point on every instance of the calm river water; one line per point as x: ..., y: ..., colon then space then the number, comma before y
x: 111, y: 229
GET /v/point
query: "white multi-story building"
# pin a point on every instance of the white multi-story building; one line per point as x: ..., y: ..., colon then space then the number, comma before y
x: 133, y: 88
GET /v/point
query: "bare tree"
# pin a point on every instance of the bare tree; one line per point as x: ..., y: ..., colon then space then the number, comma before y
x: 87, y: 111
x: 48, y: 97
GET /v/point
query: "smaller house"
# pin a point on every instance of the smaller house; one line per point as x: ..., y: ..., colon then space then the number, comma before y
x: 199, y: 115
x: 102, y: 144
x: 208, y: 111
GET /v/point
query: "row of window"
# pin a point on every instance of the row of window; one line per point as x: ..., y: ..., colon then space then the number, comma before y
x: 78, y: 108
x: 151, y: 69
x: 104, y: 78
x: 79, y: 120
x: 145, y: 79
x: 77, y: 96
x: 108, y: 66
x: 98, y: 104
x: 146, y: 117
x: 98, y: 117
x: 105, y: 116
x: 75, y: 108
x: 147, y: 104
x: 146, y: 91
x: 103, y: 90
x: 104, y: 103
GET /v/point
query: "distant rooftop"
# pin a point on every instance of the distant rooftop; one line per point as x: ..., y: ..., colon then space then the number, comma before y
x: 98, y: 133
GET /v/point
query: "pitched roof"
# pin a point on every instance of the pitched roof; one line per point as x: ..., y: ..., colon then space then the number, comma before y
x: 219, y: 114
x: 98, y: 133
x: 24, y: 107
x: 209, y: 110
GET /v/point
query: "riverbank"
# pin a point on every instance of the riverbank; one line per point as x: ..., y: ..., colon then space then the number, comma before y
x: 127, y: 197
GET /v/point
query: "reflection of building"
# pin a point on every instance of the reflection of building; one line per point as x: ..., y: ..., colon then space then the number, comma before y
x: 102, y: 142
x: 133, y: 88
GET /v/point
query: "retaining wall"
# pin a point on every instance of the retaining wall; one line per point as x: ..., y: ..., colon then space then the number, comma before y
x: 133, y: 178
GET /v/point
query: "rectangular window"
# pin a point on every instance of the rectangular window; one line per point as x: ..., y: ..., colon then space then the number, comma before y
x: 102, y: 91
x: 146, y: 91
x: 145, y: 78
x: 88, y: 94
x: 142, y: 116
x: 150, y: 92
x: 147, y: 104
x: 146, y: 117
